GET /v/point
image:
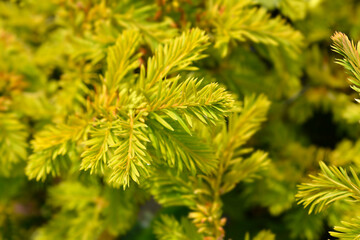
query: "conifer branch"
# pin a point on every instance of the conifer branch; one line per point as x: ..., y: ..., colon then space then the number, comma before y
x: 207, y: 217
x: 174, y: 56
x: 244, y: 125
x: 244, y: 169
x: 202, y: 194
x: 96, y: 155
x: 130, y: 110
x: 347, y: 230
x: 332, y: 184
x: 241, y: 20
x: 180, y: 149
x: 122, y: 59
x: 130, y: 156
x: 52, y: 147
x: 231, y: 168
x: 208, y: 104
x: 351, y: 57
x: 171, y: 189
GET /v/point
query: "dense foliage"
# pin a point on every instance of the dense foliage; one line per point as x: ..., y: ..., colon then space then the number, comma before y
x: 179, y: 119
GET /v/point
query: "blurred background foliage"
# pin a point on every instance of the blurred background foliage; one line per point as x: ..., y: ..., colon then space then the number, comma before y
x: 51, y: 55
